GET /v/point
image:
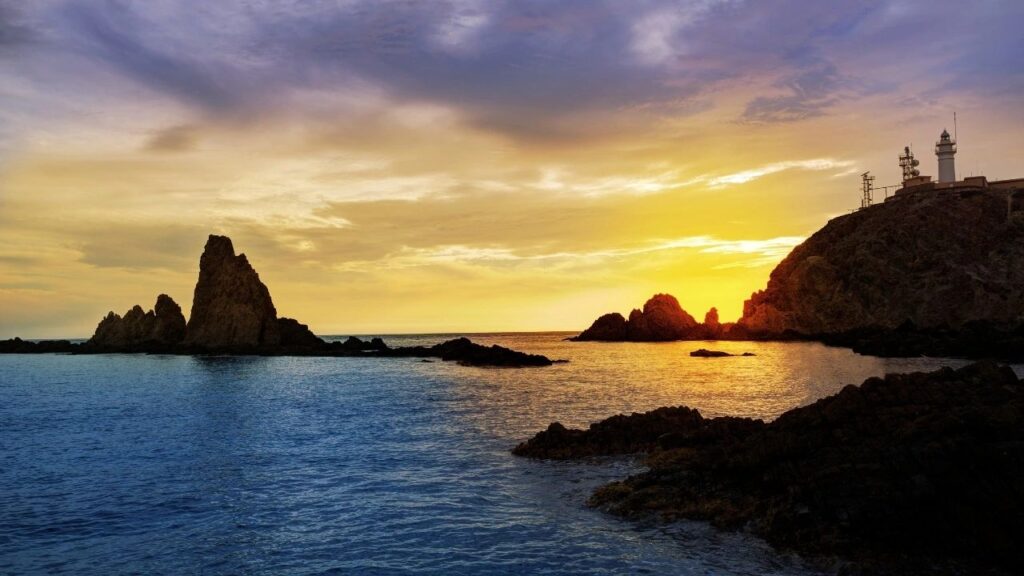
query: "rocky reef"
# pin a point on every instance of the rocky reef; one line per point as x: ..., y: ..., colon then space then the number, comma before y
x: 233, y: 313
x: 917, y: 473
x: 662, y: 319
x: 162, y: 327
x: 934, y: 260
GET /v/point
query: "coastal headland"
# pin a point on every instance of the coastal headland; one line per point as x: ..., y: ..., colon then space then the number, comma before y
x: 931, y: 272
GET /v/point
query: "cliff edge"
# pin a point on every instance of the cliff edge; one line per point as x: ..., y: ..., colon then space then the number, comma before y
x: 930, y: 260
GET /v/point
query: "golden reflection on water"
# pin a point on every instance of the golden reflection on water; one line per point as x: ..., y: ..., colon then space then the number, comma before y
x: 602, y: 379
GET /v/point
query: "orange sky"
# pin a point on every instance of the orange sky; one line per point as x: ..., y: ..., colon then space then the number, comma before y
x: 490, y: 168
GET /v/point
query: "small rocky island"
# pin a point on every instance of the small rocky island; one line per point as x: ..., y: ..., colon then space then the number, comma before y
x: 931, y: 271
x: 233, y: 313
x: 909, y: 474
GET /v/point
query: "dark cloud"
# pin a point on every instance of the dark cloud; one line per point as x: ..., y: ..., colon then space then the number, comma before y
x: 173, y: 139
x: 13, y: 30
x: 125, y: 40
x: 529, y: 69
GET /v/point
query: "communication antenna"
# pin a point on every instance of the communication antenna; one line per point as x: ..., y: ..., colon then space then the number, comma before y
x: 909, y: 164
x: 867, y: 183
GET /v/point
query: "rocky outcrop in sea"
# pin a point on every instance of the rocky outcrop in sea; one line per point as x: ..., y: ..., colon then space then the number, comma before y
x: 161, y: 327
x: 917, y: 473
x: 662, y: 319
x: 233, y: 313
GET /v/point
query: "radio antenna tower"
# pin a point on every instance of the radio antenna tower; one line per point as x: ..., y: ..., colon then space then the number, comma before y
x: 909, y: 164
x: 868, y: 187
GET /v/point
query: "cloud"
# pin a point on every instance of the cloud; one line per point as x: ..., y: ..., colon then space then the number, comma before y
x: 13, y: 31
x: 817, y: 164
x: 811, y: 93
x: 173, y: 139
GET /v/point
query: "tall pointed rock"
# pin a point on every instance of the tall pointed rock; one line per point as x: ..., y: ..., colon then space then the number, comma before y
x: 231, y: 307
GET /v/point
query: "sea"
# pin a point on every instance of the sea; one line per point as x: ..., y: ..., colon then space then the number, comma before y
x: 150, y: 464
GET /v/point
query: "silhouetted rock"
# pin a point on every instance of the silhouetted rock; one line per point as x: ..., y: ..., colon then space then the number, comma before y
x: 19, y: 346
x: 712, y: 327
x: 662, y: 319
x: 911, y: 473
x: 464, y: 351
x: 623, y: 434
x: 293, y: 334
x: 937, y: 259
x: 232, y: 312
x: 232, y: 308
x: 160, y: 328
x: 705, y: 353
x: 610, y: 327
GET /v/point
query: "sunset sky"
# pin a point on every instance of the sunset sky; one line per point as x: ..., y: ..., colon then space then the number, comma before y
x: 467, y: 166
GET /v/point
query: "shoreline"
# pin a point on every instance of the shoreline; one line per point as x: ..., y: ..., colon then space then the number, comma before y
x: 862, y: 476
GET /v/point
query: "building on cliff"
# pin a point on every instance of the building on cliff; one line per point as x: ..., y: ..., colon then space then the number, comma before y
x: 945, y: 151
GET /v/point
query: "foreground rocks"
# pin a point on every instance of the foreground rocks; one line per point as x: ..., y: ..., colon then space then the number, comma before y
x: 914, y: 473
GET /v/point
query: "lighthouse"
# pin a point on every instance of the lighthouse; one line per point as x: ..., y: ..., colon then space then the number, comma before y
x: 945, y: 149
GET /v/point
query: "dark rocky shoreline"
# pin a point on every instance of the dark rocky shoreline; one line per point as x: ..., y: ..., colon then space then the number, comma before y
x: 461, y: 350
x: 909, y: 474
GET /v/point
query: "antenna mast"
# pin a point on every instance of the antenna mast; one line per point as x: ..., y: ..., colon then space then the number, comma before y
x: 909, y: 164
x: 867, y: 183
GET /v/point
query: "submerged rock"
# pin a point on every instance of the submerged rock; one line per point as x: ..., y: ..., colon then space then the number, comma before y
x: 911, y: 473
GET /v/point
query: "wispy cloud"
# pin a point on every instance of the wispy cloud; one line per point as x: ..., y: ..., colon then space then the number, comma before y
x: 816, y: 164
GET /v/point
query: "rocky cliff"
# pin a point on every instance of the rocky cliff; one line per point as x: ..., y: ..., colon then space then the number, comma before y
x: 928, y: 260
x: 162, y: 326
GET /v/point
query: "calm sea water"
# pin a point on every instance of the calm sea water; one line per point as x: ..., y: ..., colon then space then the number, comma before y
x: 120, y: 464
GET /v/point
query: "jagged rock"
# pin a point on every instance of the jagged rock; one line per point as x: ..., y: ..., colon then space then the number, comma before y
x: 909, y: 474
x: 232, y: 308
x: 938, y: 259
x: 662, y: 319
x: 712, y: 327
x: 164, y: 326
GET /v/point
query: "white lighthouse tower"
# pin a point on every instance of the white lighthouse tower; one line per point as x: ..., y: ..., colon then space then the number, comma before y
x: 945, y: 149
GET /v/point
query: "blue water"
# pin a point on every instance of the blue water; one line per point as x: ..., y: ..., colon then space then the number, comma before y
x: 119, y: 464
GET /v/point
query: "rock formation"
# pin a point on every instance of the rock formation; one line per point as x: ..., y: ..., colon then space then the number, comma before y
x: 232, y: 312
x: 931, y: 260
x: 164, y: 326
x: 231, y: 307
x: 912, y: 471
x: 662, y: 319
